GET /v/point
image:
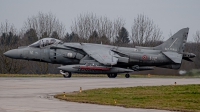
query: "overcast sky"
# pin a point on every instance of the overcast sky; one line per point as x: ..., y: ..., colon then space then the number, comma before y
x: 169, y: 15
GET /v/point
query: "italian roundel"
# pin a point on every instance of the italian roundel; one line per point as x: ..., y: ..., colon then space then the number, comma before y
x: 144, y: 57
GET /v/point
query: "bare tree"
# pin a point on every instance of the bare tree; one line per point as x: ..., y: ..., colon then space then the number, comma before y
x: 7, y: 27
x: 84, y: 25
x: 196, y: 48
x: 45, y: 24
x: 196, y: 37
x: 144, y: 31
x: 9, y: 40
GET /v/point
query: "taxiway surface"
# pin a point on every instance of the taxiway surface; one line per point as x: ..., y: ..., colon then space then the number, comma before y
x: 36, y: 94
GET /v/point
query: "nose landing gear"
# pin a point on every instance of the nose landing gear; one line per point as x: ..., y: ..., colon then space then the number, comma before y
x: 66, y: 74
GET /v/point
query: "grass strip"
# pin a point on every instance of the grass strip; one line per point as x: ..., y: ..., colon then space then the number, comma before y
x: 50, y: 75
x: 184, y: 98
x: 98, y: 75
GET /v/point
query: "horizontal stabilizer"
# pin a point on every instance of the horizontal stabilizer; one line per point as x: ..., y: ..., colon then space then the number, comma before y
x: 174, y: 56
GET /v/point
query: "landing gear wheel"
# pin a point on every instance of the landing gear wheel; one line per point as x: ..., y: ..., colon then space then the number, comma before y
x: 112, y: 75
x: 66, y: 74
x: 127, y: 75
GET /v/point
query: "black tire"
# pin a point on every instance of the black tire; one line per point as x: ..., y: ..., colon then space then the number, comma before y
x: 109, y: 75
x: 64, y: 76
x: 127, y: 75
x: 112, y: 75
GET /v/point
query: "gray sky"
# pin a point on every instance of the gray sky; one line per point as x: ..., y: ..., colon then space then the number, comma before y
x: 169, y: 15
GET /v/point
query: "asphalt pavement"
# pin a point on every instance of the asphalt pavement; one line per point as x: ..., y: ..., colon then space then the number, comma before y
x: 36, y: 94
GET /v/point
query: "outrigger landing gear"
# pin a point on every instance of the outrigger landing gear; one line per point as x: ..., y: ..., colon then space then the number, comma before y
x: 127, y: 75
x: 66, y: 74
x: 112, y: 75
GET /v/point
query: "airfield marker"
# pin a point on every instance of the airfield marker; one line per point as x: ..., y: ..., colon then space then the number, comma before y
x: 115, y: 101
x: 64, y: 94
x: 80, y: 89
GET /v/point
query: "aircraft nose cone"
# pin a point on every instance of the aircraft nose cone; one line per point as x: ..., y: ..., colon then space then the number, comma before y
x: 12, y: 54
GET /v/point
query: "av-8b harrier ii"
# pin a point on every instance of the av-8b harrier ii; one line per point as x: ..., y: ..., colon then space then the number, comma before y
x: 105, y: 59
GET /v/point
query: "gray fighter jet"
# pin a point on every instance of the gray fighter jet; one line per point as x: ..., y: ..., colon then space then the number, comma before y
x: 105, y: 59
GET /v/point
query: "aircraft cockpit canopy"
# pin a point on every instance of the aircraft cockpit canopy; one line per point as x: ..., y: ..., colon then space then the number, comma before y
x: 45, y: 42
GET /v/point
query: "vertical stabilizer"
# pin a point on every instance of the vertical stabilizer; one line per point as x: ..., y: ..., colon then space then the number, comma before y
x: 176, y: 43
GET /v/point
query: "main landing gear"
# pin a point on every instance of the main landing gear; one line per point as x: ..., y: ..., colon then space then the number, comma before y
x: 66, y: 74
x: 112, y: 75
x: 115, y: 75
x: 127, y: 75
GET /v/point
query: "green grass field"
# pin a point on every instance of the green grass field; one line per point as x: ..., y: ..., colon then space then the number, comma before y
x: 184, y: 98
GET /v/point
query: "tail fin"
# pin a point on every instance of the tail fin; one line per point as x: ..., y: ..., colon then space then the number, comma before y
x: 176, y: 43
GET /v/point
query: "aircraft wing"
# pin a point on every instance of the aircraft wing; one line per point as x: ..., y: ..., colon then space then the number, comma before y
x: 103, y: 55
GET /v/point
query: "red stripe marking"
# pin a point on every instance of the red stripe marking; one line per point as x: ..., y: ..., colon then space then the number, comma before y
x: 93, y: 68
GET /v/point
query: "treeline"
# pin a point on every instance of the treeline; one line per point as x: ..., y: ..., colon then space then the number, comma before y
x: 88, y: 28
